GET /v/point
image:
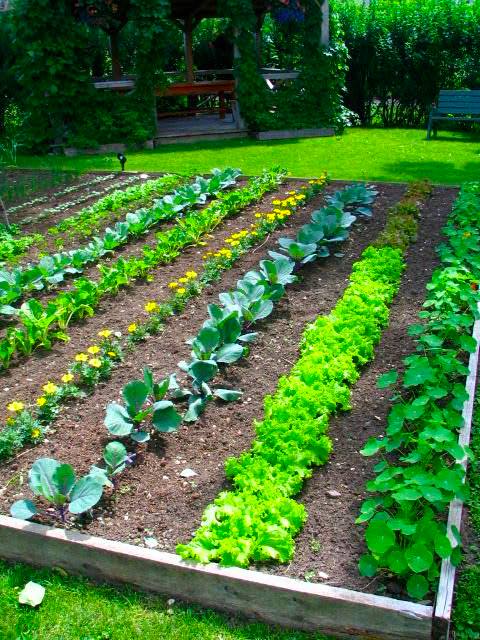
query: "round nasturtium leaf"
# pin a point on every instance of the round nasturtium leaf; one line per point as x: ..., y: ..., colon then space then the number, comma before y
x: 396, y: 561
x: 417, y: 587
x: 419, y: 558
x: 443, y: 546
x: 379, y: 537
x: 367, y: 566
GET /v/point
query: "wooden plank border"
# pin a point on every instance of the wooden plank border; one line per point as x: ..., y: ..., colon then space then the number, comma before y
x: 273, y: 599
x: 444, y: 600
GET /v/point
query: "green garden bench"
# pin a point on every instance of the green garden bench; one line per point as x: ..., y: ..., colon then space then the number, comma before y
x: 459, y: 106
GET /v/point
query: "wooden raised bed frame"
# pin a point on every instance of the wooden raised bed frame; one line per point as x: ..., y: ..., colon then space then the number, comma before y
x: 273, y: 599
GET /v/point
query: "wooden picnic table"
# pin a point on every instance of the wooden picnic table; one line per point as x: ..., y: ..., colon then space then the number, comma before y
x: 220, y: 88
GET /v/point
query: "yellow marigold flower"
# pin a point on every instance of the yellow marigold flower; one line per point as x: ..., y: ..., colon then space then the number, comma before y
x: 93, y: 350
x: 36, y: 433
x: 96, y: 363
x: 235, y: 243
x: 112, y: 354
x: 191, y: 275
x: 173, y: 285
x: 10, y: 420
x: 181, y: 290
x: 81, y: 357
x: 311, y: 181
x: 301, y: 196
x: 271, y: 217
x: 67, y: 377
x: 15, y: 406
x: 291, y: 193
x: 41, y: 401
x: 106, y: 333
x: 150, y: 278
x: 277, y: 201
x: 50, y: 388
x: 132, y: 327
x: 258, y: 215
x: 150, y: 307
x: 183, y: 280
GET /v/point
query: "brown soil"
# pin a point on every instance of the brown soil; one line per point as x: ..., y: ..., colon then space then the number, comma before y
x: 74, y: 241
x: 33, y: 210
x: 128, y: 250
x: 116, y: 313
x: 154, y: 499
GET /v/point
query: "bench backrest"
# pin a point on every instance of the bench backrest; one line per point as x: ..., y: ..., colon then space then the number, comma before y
x: 462, y: 101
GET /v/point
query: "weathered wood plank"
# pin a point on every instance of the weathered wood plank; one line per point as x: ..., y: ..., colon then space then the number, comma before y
x: 273, y: 599
x: 444, y: 601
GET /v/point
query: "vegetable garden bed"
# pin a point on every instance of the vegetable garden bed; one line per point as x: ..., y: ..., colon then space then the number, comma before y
x: 162, y: 496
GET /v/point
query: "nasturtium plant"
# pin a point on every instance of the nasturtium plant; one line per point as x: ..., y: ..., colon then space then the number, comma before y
x: 422, y: 474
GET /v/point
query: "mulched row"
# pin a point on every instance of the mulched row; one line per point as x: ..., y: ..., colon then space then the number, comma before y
x: 154, y: 500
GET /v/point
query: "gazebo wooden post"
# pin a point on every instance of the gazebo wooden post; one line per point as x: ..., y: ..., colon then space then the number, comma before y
x: 115, y: 52
x: 188, y: 45
x: 236, y: 108
x: 325, y: 32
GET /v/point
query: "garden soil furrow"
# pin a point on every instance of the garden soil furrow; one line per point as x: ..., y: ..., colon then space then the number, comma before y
x: 132, y: 248
x: 330, y: 543
x: 54, y: 218
x: 154, y: 500
x: 26, y: 376
x: 74, y: 242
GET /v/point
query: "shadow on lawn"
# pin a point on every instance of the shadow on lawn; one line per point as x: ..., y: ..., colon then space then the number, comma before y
x: 435, y: 170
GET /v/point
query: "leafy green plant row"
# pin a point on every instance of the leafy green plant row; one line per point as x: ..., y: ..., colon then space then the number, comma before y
x: 12, y: 246
x: 258, y: 519
x: 52, y: 270
x: 58, y: 194
x: 419, y: 473
x: 56, y: 483
x: 225, y: 337
x: 28, y: 425
x: 44, y: 323
x: 86, y: 222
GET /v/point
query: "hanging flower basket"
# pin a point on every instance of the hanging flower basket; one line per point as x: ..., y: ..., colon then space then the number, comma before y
x: 289, y: 11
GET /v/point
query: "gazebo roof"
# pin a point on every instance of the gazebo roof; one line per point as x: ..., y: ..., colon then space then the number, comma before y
x: 198, y: 9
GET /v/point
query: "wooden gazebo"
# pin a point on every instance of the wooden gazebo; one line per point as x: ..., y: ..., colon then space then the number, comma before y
x: 219, y: 84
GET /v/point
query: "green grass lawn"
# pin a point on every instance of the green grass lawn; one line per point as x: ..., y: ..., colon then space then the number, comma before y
x: 360, y: 154
x: 74, y: 609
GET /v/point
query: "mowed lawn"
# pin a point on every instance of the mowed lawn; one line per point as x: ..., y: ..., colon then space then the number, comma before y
x: 74, y: 609
x: 396, y: 155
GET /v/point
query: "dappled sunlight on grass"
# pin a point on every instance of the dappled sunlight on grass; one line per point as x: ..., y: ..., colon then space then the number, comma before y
x: 360, y: 154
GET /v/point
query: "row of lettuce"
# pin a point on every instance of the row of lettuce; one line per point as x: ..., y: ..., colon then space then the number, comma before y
x: 146, y: 409
x: 419, y: 473
x: 258, y: 519
x: 39, y: 325
x: 28, y: 424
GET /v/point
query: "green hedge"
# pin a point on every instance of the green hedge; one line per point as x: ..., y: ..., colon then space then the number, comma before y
x: 402, y: 52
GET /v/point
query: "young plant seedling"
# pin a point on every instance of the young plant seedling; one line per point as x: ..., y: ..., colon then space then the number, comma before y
x: 144, y: 401
x: 57, y: 484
